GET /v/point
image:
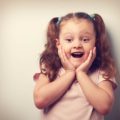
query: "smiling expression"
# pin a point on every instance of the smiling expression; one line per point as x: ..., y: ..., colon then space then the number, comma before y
x: 77, y: 38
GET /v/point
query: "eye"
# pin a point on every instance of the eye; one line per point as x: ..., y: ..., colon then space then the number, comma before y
x: 68, y: 40
x: 85, y: 39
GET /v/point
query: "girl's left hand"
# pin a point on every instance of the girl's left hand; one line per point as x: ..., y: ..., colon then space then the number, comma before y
x: 84, y: 67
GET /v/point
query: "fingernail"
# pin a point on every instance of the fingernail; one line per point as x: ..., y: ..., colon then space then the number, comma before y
x: 94, y: 48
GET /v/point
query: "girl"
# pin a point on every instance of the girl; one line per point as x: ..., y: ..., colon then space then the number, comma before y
x: 76, y: 81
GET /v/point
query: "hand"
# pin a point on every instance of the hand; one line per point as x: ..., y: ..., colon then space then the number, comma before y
x: 84, y: 67
x: 67, y: 65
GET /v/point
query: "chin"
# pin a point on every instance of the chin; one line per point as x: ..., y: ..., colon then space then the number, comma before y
x: 76, y: 65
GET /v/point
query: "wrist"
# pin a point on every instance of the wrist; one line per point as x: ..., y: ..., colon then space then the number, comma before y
x: 70, y: 71
x: 80, y: 73
x: 70, y: 74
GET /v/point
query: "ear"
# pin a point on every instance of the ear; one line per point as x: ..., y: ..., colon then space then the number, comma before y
x: 57, y: 42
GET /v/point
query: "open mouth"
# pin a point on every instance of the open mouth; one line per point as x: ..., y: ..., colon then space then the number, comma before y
x: 77, y: 54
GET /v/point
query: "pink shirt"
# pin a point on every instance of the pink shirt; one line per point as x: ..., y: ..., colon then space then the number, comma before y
x: 73, y: 105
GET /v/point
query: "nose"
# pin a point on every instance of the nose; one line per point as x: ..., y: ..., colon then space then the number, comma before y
x: 77, y: 44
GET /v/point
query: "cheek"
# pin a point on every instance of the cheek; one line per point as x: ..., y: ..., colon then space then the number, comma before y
x: 86, y: 55
x: 88, y: 48
x: 62, y: 44
x: 67, y: 51
x: 87, y: 51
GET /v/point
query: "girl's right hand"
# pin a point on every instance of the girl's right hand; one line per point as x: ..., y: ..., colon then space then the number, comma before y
x: 67, y: 65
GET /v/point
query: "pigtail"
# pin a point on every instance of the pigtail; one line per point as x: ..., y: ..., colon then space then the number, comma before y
x: 101, y: 34
x: 50, y: 57
x: 52, y: 31
x: 104, y: 56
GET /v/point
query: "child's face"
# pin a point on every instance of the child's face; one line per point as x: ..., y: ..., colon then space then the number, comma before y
x: 77, y: 38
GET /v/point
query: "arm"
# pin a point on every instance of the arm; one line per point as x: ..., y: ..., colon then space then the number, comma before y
x: 46, y: 93
x: 101, y: 97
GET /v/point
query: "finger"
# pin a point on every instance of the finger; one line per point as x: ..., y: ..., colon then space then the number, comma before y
x: 64, y: 55
x: 67, y: 62
x: 89, y: 57
x: 60, y: 53
x: 94, y: 52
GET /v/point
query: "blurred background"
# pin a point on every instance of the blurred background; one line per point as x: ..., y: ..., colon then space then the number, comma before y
x: 23, y: 26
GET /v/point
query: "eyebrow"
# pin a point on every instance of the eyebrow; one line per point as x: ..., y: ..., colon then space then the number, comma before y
x: 86, y: 33
x: 67, y: 34
x: 81, y: 33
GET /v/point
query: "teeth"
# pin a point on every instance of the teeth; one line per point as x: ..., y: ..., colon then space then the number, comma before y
x: 77, y: 54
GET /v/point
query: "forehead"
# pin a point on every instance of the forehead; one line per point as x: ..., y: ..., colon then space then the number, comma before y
x: 77, y: 25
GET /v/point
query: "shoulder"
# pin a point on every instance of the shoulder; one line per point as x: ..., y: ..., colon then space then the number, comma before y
x: 43, y: 72
x: 41, y: 81
x: 101, y: 79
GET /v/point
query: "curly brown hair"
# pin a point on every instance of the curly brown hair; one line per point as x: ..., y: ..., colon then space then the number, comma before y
x: 103, y: 60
